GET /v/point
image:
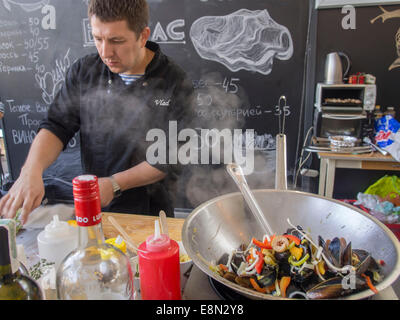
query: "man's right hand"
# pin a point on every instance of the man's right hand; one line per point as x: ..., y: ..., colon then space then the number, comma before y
x: 26, y: 193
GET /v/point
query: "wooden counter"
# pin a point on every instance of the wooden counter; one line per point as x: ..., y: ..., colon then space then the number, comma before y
x: 139, y: 227
x: 365, y: 161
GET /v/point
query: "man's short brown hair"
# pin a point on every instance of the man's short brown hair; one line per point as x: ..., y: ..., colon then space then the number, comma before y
x: 135, y: 12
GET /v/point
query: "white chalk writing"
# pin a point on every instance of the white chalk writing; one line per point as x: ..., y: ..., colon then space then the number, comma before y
x: 22, y: 108
x: 51, y: 81
x: 23, y: 136
x: 26, y: 121
x: 171, y: 35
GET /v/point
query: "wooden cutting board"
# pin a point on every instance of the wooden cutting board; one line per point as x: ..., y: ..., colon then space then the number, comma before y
x: 139, y: 227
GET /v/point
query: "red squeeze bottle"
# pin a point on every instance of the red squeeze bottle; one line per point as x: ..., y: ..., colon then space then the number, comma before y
x: 159, y: 268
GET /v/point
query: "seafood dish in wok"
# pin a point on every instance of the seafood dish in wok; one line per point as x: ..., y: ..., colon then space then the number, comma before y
x: 292, y: 265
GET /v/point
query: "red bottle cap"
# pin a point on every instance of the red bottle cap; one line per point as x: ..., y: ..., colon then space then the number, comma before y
x: 87, y: 200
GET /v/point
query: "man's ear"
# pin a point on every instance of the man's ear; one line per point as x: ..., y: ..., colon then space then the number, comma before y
x: 144, y: 36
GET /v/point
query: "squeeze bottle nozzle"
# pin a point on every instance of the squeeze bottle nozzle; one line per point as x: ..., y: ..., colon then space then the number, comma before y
x: 156, y: 230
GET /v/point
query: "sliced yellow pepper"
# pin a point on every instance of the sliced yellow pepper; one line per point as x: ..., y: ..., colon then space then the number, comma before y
x: 321, y: 267
x: 296, y: 252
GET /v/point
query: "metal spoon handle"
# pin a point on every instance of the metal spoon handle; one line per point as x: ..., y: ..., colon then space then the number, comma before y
x: 236, y: 173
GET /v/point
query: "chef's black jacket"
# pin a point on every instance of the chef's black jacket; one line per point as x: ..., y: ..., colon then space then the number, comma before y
x: 114, y: 118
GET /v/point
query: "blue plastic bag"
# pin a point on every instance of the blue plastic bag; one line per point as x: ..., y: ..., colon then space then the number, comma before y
x: 388, y: 135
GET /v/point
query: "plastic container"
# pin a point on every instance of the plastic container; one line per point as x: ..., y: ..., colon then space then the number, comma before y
x: 342, y: 143
x: 185, y: 264
x: 57, y: 240
x: 390, y: 111
x: 159, y: 268
x: 118, y: 243
x: 378, y: 112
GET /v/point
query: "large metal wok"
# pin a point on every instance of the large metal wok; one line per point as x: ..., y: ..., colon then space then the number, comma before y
x: 221, y: 225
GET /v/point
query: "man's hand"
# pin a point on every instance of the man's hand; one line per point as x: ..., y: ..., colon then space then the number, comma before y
x: 106, y: 191
x: 26, y: 193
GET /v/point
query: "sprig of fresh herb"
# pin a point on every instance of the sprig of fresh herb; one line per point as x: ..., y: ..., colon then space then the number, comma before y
x: 37, y: 270
x: 18, y: 222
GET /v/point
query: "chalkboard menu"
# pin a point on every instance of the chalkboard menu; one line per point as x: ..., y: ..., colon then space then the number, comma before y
x: 35, y: 53
x: 242, y: 56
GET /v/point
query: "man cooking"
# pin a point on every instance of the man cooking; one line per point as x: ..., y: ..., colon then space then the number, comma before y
x: 113, y: 98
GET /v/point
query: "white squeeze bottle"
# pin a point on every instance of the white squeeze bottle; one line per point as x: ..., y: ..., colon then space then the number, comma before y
x: 56, y: 241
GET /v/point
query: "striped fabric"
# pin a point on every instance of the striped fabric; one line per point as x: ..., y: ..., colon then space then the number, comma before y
x: 130, y: 78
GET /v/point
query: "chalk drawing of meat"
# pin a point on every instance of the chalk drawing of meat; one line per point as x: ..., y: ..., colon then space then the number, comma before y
x: 243, y: 40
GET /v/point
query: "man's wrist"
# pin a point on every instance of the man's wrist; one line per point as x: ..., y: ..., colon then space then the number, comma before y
x: 116, y: 187
x: 32, y: 169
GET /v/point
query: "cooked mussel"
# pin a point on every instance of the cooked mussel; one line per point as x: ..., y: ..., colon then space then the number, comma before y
x: 267, y: 278
x: 295, y: 232
x: 361, y: 260
x: 243, y: 281
x: 331, y: 288
x: 282, y: 257
x: 229, y: 276
x: 301, y: 277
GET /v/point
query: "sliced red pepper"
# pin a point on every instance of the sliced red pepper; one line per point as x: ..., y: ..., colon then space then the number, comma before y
x: 369, y: 283
x: 268, y: 243
x: 296, y: 240
x: 250, y: 256
x: 257, y: 287
x: 262, y: 245
x: 260, y: 263
x: 224, y: 267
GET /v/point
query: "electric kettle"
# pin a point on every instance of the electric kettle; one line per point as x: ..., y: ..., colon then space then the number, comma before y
x: 334, y: 69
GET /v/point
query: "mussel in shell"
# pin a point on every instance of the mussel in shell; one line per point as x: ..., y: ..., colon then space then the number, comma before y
x: 267, y: 278
x: 328, y: 289
x: 361, y: 260
x: 343, y: 271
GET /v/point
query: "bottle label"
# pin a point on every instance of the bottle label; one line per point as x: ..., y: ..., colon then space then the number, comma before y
x: 88, y: 221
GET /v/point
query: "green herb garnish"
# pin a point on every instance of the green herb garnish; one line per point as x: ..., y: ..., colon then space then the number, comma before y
x: 37, y: 270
